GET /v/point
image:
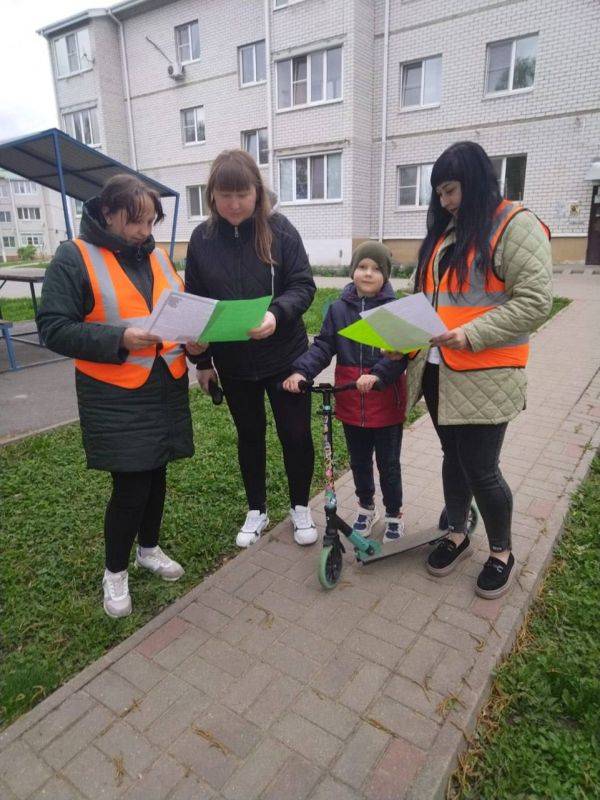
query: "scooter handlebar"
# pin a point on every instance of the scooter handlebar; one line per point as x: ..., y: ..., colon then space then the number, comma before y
x: 309, y: 386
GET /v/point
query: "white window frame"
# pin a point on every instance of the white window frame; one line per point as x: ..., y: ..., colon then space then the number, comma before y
x: 201, y: 195
x: 195, y: 109
x: 5, y: 217
x: 28, y: 213
x: 256, y: 157
x: 285, y: 4
x: 78, y: 209
x: 25, y: 237
x: 85, y: 61
x: 4, y: 189
x: 502, y: 178
x: 23, y: 187
x: 422, y: 62
x: 311, y: 201
x: 6, y: 240
x: 308, y: 55
x: 188, y: 27
x: 416, y: 205
x: 511, y: 71
x: 244, y: 84
x: 92, y: 121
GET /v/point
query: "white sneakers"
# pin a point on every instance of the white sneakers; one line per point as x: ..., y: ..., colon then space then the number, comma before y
x: 305, y: 530
x: 365, y: 519
x: 117, y: 602
x: 249, y: 533
x: 159, y: 563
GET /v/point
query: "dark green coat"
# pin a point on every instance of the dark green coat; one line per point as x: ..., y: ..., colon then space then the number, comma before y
x: 124, y: 430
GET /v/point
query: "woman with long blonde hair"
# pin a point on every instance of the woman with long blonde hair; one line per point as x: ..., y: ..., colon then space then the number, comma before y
x: 243, y: 251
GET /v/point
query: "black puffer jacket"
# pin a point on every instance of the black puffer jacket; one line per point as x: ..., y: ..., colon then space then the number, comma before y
x: 222, y: 264
x: 124, y: 430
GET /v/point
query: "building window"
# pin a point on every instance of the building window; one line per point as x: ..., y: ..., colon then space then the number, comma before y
x: 72, y: 53
x: 192, y: 124
x: 196, y: 200
x: 421, y: 83
x: 24, y: 212
x: 312, y: 78
x: 78, y: 208
x: 9, y: 241
x: 187, y: 42
x: 284, y: 3
x: 33, y: 238
x: 24, y: 187
x: 511, y: 64
x: 252, y: 61
x: 310, y: 178
x: 414, y: 186
x: 510, y: 171
x: 4, y: 189
x: 257, y: 144
x: 5, y: 216
x: 83, y: 126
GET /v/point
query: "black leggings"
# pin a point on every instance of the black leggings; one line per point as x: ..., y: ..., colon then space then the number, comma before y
x: 470, y: 469
x: 135, y: 509
x: 246, y: 401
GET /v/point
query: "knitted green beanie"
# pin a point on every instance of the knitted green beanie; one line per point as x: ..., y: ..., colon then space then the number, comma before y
x: 376, y: 251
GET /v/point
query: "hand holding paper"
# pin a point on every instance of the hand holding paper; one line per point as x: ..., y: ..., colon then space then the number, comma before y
x: 183, y: 317
x: 403, y: 325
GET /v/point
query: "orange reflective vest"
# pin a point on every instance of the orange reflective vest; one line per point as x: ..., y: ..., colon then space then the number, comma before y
x: 481, y: 292
x: 118, y: 302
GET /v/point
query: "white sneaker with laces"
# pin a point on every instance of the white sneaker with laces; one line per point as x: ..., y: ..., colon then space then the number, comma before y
x: 394, y: 529
x: 249, y: 533
x: 365, y: 519
x: 117, y: 602
x: 305, y: 530
x: 159, y: 563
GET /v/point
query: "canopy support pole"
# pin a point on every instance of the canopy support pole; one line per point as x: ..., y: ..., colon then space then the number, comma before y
x: 61, y: 179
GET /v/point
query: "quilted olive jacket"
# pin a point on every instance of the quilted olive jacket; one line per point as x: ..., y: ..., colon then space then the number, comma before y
x: 523, y: 260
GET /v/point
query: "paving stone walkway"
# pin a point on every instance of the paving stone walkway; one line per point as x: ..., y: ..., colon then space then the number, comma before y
x: 260, y: 685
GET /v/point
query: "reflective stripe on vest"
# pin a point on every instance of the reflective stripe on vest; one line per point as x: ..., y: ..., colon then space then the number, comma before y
x: 118, y: 302
x: 481, y: 292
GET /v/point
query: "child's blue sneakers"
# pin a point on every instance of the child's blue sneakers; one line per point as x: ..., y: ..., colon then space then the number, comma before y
x: 365, y: 519
x: 394, y: 529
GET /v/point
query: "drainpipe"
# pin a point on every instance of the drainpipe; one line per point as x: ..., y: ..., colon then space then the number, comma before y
x: 267, y: 6
x: 384, y: 105
x: 125, y: 73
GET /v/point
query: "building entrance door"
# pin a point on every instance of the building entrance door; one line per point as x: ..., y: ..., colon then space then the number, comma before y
x: 593, y: 243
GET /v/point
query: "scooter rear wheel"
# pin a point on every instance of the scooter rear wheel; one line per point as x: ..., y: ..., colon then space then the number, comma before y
x: 472, y: 519
x: 330, y: 566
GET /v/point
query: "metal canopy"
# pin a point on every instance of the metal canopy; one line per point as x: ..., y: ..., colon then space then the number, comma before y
x: 54, y: 159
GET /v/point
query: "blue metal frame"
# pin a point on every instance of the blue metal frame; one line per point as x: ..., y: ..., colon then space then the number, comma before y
x: 57, y: 135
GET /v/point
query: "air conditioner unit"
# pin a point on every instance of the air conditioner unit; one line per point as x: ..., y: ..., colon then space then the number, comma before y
x: 176, y: 71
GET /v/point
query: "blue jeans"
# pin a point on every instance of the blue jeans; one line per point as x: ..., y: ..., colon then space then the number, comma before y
x: 386, y: 443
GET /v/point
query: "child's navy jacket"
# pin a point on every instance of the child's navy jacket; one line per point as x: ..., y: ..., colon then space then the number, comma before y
x: 373, y: 409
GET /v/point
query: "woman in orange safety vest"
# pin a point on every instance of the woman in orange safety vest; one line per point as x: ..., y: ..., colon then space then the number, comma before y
x: 132, y: 388
x: 485, y: 265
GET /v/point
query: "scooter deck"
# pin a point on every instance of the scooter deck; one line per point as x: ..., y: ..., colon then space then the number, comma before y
x: 403, y: 544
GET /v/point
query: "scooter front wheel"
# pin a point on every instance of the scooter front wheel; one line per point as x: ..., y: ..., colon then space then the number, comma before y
x: 330, y: 566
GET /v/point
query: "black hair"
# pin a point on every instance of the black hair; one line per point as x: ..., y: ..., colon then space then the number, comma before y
x: 470, y: 165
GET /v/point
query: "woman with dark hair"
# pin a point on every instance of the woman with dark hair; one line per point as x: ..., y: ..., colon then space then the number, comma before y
x: 132, y: 388
x: 485, y: 264
x: 245, y: 251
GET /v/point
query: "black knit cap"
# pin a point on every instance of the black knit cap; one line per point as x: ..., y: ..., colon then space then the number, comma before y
x: 377, y: 252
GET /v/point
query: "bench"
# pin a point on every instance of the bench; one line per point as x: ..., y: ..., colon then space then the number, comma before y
x: 5, y: 327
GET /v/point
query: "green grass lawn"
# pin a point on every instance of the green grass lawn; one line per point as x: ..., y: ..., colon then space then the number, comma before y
x: 539, y: 735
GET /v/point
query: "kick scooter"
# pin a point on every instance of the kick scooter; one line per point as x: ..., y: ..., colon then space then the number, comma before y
x: 365, y: 550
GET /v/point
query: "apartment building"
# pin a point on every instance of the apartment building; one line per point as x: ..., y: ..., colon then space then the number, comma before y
x: 345, y: 104
x: 30, y: 214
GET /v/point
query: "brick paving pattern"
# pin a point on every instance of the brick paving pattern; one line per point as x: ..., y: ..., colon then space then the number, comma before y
x: 260, y: 685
